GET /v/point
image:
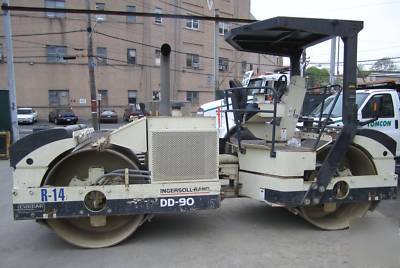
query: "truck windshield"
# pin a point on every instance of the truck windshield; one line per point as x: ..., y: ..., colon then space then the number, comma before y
x: 337, y: 110
x: 255, y: 83
x: 24, y: 111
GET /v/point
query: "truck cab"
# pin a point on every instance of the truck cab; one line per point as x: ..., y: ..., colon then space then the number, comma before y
x: 389, y: 111
x: 216, y: 108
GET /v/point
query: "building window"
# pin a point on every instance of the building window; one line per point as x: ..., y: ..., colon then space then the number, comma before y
x: 56, y: 53
x: 158, y: 19
x: 54, y: 4
x: 132, y: 96
x: 387, y: 110
x: 192, y: 61
x: 223, y: 27
x: 131, y: 19
x: 101, y: 55
x: 104, y: 97
x: 58, y: 97
x: 100, y: 6
x: 156, y: 95
x: 223, y: 64
x: 192, y: 24
x: 192, y: 97
x: 244, y: 66
x: 158, y: 57
x: 131, y: 56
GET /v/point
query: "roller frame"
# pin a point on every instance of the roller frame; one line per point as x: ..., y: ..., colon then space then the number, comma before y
x: 28, y: 203
x: 183, y: 195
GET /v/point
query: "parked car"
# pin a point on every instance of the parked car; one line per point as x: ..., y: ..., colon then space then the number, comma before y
x: 135, y: 110
x: 26, y: 115
x: 63, y: 116
x: 108, y: 116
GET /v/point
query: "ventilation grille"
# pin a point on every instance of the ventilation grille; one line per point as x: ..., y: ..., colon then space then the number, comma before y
x: 180, y: 156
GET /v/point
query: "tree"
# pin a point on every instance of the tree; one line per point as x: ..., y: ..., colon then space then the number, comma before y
x: 384, y: 64
x: 317, y: 77
x: 361, y: 72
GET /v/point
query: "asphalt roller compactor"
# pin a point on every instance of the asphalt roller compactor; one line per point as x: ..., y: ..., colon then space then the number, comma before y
x: 94, y: 190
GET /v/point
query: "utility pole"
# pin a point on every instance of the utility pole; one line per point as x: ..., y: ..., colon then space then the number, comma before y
x: 332, y: 78
x: 216, y: 59
x: 91, y: 63
x: 11, y: 74
x: 338, y: 57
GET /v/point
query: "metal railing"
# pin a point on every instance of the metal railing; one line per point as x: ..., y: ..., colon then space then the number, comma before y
x: 322, y: 125
x: 322, y: 121
x: 236, y: 112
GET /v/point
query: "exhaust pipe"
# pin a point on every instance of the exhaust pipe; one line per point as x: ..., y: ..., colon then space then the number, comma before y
x: 165, y: 103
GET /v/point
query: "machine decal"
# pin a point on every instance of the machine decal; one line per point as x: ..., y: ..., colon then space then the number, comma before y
x: 73, y: 209
x: 380, y: 123
x: 185, y: 190
x: 26, y: 211
x: 53, y: 195
x: 181, y: 202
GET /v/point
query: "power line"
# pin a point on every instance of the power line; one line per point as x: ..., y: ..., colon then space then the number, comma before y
x: 353, y: 7
x: 6, y: 7
x: 324, y: 63
x: 126, y: 40
x: 156, y: 47
x: 182, y: 8
x: 125, y: 64
x: 117, y: 38
x: 185, y: 9
x: 44, y: 44
x: 176, y: 51
x: 175, y: 70
x: 47, y: 33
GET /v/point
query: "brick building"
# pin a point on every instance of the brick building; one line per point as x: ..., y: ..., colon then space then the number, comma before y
x: 127, y: 53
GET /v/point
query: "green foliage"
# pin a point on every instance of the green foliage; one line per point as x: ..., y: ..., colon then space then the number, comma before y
x: 316, y: 77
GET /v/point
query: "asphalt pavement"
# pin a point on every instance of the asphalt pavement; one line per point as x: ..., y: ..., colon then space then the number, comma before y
x: 242, y: 233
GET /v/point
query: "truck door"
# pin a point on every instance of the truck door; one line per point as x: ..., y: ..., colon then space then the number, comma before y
x: 388, y: 119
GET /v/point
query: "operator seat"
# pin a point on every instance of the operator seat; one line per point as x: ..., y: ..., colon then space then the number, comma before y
x: 239, y: 101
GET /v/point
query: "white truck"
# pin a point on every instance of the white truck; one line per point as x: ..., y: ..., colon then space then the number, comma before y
x: 217, y: 108
x: 389, y: 114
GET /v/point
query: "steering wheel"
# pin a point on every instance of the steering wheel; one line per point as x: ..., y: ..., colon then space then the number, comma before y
x: 281, y: 85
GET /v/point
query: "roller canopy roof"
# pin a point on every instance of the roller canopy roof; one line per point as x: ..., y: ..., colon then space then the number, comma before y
x: 284, y: 36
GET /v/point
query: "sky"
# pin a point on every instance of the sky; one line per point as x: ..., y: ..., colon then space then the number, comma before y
x: 379, y: 38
